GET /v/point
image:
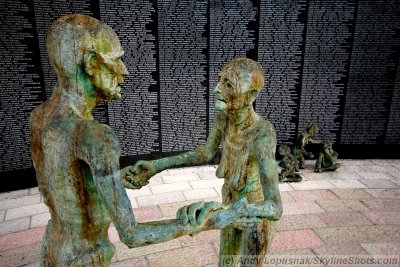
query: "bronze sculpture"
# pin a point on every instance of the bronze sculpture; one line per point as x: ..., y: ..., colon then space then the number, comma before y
x: 77, y: 159
x: 289, y: 165
x: 247, y: 163
x: 309, y: 137
x: 327, y: 159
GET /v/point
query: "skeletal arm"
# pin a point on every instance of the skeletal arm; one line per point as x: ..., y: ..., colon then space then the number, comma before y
x: 97, y: 146
x: 201, y: 155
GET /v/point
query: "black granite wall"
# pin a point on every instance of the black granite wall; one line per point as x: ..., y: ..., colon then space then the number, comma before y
x: 332, y: 62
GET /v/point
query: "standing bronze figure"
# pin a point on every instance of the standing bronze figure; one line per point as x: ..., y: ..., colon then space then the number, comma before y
x: 77, y: 159
x: 247, y: 164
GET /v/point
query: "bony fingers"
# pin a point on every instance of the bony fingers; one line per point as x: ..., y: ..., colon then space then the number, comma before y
x: 208, y: 207
x: 214, y: 205
x: 204, y: 212
x: 127, y: 184
x: 193, y: 211
x: 182, y: 215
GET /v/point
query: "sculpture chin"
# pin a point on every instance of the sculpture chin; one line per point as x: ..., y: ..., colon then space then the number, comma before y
x: 111, y: 94
x: 116, y: 93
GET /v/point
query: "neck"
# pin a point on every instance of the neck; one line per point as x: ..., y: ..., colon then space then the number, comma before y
x: 243, y: 118
x: 75, y: 97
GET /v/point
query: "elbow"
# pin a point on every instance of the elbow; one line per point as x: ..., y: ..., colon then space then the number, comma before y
x: 133, y: 242
x: 277, y: 213
x: 130, y: 238
x: 209, y: 156
x: 129, y: 241
x: 139, y: 238
x: 205, y: 155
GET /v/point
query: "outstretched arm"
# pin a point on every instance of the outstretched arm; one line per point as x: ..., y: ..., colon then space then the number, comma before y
x: 97, y: 146
x: 203, y: 154
x: 242, y: 214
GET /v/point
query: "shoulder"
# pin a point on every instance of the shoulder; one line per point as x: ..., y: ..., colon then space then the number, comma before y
x: 265, y: 140
x: 96, y: 135
x: 266, y: 130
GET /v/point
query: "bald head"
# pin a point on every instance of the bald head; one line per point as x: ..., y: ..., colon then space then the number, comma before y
x: 72, y: 37
x: 240, y: 67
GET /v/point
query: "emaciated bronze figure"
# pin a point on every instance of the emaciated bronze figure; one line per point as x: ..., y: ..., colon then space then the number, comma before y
x: 289, y: 165
x: 309, y: 137
x: 247, y: 163
x: 327, y: 159
x: 77, y: 159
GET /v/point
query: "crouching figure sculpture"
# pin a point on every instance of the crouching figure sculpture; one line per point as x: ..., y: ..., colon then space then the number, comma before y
x: 247, y: 162
x: 289, y: 165
x: 77, y: 159
x: 327, y: 159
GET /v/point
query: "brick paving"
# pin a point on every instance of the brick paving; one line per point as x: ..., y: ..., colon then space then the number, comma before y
x: 353, y: 211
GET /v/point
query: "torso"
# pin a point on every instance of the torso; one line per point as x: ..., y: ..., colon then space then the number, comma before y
x: 239, y: 166
x: 78, y: 215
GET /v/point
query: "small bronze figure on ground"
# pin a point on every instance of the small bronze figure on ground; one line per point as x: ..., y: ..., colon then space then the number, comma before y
x: 77, y: 159
x: 309, y: 137
x: 247, y: 163
x: 289, y: 164
x: 327, y: 159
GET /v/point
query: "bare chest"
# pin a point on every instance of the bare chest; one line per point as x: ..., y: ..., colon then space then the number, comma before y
x: 238, y: 164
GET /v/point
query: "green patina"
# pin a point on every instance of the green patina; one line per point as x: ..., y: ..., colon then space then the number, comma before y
x: 289, y: 164
x: 77, y: 160
x: 247, y: 164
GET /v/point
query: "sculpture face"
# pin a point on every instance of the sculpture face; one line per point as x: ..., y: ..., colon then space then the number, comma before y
x: 108, y: 72
x: 313, y: 130
x: 232, y: 91
x: 86, y: 55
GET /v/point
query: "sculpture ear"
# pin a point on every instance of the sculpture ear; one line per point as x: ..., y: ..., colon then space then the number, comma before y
x: 252, y: 95
x: 90, y: 59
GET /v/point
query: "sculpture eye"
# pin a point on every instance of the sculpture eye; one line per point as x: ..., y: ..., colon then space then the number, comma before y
x: 228, y: 84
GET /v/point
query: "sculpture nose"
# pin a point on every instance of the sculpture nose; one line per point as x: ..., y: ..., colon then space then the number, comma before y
x: 122, y: 73
x: 217, y: 89
x: 123, y: 69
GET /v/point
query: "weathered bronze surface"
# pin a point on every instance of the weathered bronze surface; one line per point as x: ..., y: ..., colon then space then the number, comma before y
x: 247, y: 164
x: 289, y: 165
x: 309, y: 137
x: 77, y: 159
x: 327, y: 159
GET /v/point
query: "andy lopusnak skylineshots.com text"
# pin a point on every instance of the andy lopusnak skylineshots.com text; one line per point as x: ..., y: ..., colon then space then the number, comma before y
x: 313, y: 260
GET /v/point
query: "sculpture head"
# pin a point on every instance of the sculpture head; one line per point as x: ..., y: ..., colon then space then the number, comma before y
x: 284, y: 150
x: 240, y: 81
x: 313, y: 129
x: 86, y: 56
x: 328, y: 148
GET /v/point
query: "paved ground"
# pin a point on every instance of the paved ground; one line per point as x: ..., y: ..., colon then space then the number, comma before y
x: 353, y: 211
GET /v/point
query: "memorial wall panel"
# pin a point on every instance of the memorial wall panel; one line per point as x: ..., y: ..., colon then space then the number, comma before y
x: 393, y: 127
x: 21, y: 82
x: 326, y: 63
x: 280, y: 51
x: 135, y: 117
x: 182, y: 33
x: 372, y: 72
